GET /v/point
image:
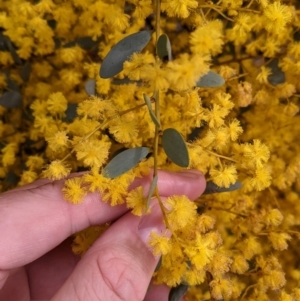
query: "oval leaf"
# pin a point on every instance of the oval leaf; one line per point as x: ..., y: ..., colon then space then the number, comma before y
x: 158, y: 264
x: 125, y: 161
x: 126, y: 81
x: 113, y: 62
x: 163, y: 48
x: 278, y: 76
x: 211, y: 187
x: 175, y: 147
x: 152, y: 114
x: 210, y: 80
x: 25, y: 71
x: 151, y: 190
x: 90, y: 87
x: 84, y: 43
x: 11, y: 99
x: 177, y: 292
x: 71, y: 112
x: 13, y: 51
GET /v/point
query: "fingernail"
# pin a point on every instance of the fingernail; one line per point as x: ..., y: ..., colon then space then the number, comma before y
x: 191, y: 173
x: 151, y: 222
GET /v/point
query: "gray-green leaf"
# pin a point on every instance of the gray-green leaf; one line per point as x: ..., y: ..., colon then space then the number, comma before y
x: 11, y: 99
x: 90, y: 87
x: 71, y: 112
x: 211, y: 187
x: 152, y: 115
x: 151, y: 190
x: 278, y: 76
x: 175, y: 147
x: 25, y: 71
x: 121, y: 52
x: 13, y: 51
x: 84, y: 43
x: 158, y: 264
x: 126, y: 81
x: 125, y: 161
x: 177, y: 292
x: 163, y: 48
x: 210, y: 80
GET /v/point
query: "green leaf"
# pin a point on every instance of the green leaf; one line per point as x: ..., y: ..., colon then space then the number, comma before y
x: 84, y: 42
x: 177, y: 292
x: 152, y: 114
x: 163, y: 48
x: 11, y: 84
x: 121, y: 52
x: 175, y: 147
x: 11, y: 99
x: 210, y: 80
x: 125, y: 81
x: 125, y: 161
x: 25, y: 71
x: 211, y: 187
x: 151, y: 190
x: 278, y: 76
x: 158, y: 264
x: 13, y: 51
x: 71, y: 112
x: 90, y: 87
x: 3, y: 46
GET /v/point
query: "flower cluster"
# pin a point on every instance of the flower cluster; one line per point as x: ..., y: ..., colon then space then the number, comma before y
x: 244, y: 131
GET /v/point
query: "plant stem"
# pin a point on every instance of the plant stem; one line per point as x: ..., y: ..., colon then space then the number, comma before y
x: 156, y: 92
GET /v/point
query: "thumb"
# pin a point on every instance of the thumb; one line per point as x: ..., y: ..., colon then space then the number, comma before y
x: 119, y: 265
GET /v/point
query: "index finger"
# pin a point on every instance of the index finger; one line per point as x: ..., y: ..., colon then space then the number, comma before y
x: 35, y: 220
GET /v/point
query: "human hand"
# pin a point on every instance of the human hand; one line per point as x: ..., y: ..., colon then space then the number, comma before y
x: 36, y: 261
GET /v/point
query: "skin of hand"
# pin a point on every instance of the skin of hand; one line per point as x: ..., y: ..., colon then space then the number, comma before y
x: 36, y: 261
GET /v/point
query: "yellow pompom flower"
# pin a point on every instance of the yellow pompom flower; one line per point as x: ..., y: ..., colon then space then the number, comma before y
x: 181, y: 211
x: 273, y: 218
x: 56, y: 104
x: 59, y: 140
x: 208, y: 38
x: 135, y: 200
x: 73, y: 190
x: 279, y: 240
x: 239, y: 264
x: 178, y: 8
x: 160, y: 244
x: 93, y: 152
x: 224, y: 177
x: 56, y: 170
x: 277, y: 16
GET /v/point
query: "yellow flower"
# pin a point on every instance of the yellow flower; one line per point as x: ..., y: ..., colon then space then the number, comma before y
x: 257, y: 152
x: 59, y: 140
x: 181, y: 211
x: 277, y: 16
x: 136, y: 201
x: 224, y: 177
x: 27, y: 177
x: 208, y: 38
x: 84, y: 239
x: 73, y: 191
x: 239, y: 265
x: 93, y: 152
x: 273, y: 218
x: 57, y: 104
x: 56, y: 170
x: 178, y: 8
x: 160, y: 244
x: 279, y: 240
x: 235, y: 129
